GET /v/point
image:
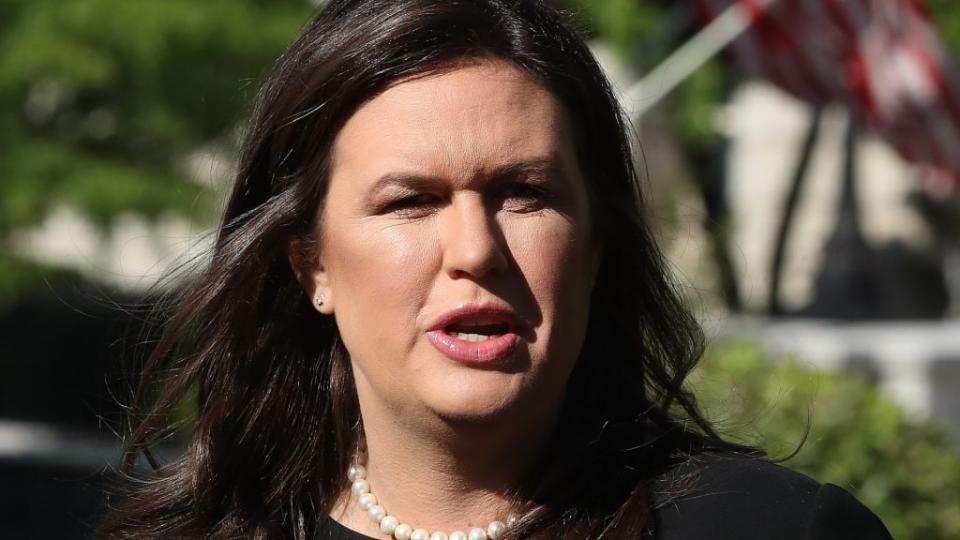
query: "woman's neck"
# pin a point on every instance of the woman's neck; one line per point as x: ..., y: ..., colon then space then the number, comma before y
x: 444, y: 475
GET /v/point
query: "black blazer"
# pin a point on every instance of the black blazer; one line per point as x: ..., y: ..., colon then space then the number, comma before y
x: 736, y: 497
x: 729, y: 497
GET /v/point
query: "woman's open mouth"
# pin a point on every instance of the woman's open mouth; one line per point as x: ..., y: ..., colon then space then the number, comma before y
x: 476, y: 335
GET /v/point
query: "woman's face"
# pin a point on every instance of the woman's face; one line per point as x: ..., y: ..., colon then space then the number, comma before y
x: 455, y: 246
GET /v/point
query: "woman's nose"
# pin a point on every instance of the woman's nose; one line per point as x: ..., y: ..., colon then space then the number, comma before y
x: 473, y: 242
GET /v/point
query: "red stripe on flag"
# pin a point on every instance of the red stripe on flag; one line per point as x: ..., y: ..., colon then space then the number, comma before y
x: 857, y: 72
x: 798, y: 76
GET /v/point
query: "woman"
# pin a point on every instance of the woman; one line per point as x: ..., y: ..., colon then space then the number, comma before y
x: 434, y: 310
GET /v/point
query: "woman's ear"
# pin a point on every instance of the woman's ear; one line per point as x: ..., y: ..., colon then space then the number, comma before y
x: 310, y: 272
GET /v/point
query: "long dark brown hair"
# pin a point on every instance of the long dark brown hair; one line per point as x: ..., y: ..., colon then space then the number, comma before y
x: 277, y: 418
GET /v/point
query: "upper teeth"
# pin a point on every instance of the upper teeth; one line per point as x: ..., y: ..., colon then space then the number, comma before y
x: 470, y: 337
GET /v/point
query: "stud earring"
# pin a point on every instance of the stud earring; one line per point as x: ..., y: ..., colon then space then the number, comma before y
x: 319, y: 300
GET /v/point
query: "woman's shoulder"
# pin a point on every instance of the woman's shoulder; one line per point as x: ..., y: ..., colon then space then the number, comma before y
x: 714, y: 495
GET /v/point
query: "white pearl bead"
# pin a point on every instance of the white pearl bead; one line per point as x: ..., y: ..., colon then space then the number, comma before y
x: 438, y: 536
x: 458, y: 535
x: 356, y: 472
x: 388, y: 524
x: 367, y: 500
x: 376, y: 513
x: 360, y: 487
x: 477, y: 533
x: 403, y: 532
x: 420, y: 534
x: 495, y: 529
x: 511, y: 520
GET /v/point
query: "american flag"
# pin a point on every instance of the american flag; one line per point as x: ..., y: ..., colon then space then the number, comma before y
x: 881, y: 58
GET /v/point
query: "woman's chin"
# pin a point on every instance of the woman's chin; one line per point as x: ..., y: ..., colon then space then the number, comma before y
x: 479, y: 397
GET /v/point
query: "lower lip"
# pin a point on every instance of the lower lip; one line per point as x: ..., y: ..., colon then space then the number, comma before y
x: 480, y: 353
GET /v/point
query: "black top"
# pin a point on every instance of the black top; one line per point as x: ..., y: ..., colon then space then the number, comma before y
x: 741, y: 498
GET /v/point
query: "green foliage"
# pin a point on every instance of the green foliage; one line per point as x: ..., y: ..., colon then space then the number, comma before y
x: 696, y: 104
x: 644, y: 33
x: 946, y: 18
x: 104, y: 99
x: 907, y: 471
x: 622, y: 23
x: 17, y: 275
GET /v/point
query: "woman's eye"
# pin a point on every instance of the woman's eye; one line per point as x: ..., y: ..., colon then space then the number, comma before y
x: 413, y: 205
x: 524, y: 197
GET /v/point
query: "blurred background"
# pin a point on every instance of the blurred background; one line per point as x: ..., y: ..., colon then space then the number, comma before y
x: 802, y: 159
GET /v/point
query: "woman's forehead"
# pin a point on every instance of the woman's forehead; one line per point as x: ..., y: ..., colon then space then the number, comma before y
x: 475, y: 116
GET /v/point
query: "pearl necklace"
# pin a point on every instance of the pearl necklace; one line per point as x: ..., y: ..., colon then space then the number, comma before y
x: 390, y: 525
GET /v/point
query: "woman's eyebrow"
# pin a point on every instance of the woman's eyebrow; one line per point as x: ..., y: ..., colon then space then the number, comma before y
x: 407, y: 181
x: 541, y: 168
x: 538, y: 168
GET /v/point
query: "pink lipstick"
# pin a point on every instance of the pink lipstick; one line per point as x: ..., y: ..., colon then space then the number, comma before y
x: 478, y: 335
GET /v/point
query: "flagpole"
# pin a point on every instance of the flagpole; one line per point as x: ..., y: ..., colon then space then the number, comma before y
x: 714, y: 37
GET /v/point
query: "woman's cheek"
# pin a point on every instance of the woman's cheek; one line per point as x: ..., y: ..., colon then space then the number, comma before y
x: 392, y: 268
x: 544, y: 242
x: 387, y: 247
